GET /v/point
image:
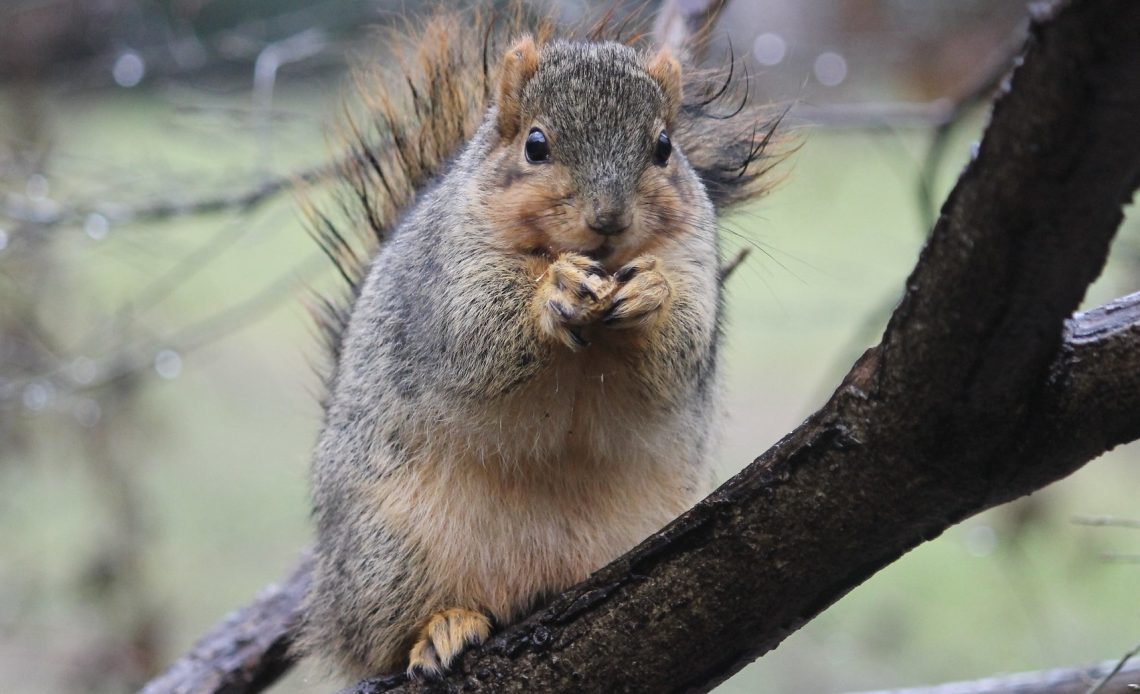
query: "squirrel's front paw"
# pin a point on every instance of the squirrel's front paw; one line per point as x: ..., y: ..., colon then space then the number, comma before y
x: 574, y: 292
x: 641, y: 293
x: 443, y: 637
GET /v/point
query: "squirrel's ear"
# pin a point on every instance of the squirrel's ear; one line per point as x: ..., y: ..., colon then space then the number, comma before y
x: 518, y: 66
x: 665, y: 69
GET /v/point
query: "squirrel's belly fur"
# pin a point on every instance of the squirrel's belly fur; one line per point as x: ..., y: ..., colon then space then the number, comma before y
x: 525, y: 499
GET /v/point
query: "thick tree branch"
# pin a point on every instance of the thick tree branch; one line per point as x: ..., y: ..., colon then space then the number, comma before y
x: 978, y: 393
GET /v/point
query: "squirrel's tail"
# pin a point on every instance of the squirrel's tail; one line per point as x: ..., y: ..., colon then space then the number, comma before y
x: 407, y: 116
x: 418, y: 108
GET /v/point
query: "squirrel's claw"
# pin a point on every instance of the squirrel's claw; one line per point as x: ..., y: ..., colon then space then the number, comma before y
x: 424, y: 661
x: 640, y: 296
x: 443, y: 637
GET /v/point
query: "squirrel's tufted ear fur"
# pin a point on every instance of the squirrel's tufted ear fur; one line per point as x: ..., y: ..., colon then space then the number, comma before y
x: 665, y: 69
x: 519, y: 64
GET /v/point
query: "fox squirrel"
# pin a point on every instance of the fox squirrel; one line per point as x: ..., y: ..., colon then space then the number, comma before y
x: 526, y: 381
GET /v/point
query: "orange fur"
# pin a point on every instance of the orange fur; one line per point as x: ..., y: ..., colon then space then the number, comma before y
x: 443, y: 636
x: 533, y: 211
x: 667, y: 71
x: 518, y: 66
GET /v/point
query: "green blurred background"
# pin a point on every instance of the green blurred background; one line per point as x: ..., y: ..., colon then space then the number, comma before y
x: 159, y: 369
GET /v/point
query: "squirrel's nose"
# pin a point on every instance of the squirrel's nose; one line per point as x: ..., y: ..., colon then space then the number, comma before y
x: 609, y: 222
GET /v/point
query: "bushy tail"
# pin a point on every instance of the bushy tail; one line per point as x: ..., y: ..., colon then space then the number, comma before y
x: 414, y: 111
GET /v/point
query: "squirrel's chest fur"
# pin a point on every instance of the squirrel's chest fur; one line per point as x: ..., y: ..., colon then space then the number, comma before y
x: 531, y: 492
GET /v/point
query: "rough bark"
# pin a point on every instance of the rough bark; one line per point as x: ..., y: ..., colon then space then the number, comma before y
x: 978, y: 393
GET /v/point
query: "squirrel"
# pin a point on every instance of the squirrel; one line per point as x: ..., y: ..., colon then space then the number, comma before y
x: 526, y: 377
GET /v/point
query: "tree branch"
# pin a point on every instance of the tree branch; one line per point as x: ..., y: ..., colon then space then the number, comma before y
x: 978, y: 393
x: 21, y: 210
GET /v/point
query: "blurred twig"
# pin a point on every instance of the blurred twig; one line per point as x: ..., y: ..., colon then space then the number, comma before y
x: 1118, y: 558
x: 1107, y: 521
x: 686, y: 27
x: 943, y: 115
x: 1114, y: 522
x: 939, y: 113
x: 1103, y: 683
x: 19, y: 208
x: 1114, y: 675
x: 139, y: 357
x: 728, y: 268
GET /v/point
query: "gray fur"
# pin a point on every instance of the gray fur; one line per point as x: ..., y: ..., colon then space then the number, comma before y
x: 598, y: 97
x: 441, y: 334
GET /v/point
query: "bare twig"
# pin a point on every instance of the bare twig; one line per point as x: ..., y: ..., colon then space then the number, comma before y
x: 728, y: 268
x: 938, y: 113
x: 1101, y: 687
x: 1107, y: 521
x: 135, y: 358
x: 20, y: 210
x: 943, y: 115
x: 1058, y: 681
x: 1118, y: 558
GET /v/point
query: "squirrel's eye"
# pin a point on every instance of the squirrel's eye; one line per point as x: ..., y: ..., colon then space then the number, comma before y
x: 663, y: 149
x: 537, y: 148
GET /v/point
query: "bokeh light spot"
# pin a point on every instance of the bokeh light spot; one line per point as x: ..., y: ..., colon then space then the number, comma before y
x: 769, y: 49
x: 830, y: 69
x: 129, y: 69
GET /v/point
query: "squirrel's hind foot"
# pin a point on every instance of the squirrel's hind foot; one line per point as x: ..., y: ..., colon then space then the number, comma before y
x: 444, y: 636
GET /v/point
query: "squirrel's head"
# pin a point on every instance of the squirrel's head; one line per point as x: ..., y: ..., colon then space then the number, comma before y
x: 584, y: 160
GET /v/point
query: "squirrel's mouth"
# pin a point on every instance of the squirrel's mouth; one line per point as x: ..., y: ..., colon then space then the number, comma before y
x: 600, y: 253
